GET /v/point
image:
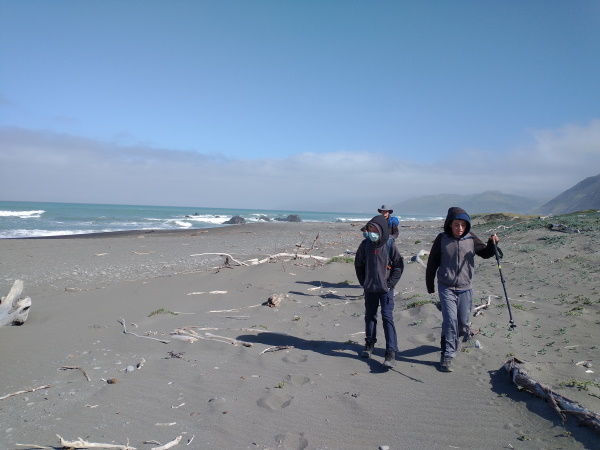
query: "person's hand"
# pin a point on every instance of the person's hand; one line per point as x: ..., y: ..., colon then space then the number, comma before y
x: 494, y: 238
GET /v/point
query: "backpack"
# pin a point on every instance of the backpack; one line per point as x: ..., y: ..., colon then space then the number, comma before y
x: 393, y: 221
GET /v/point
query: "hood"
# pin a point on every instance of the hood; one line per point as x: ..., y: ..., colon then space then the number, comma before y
x: 456, y: 213
x: 381, y: 223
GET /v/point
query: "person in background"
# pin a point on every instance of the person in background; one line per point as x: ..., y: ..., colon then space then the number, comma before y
x: 393, y: 222
x: 452, y: 259
x: 379, y: 266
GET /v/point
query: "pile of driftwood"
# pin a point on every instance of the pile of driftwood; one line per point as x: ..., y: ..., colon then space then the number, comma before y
x: 13, y: 309
x: 560, y: 404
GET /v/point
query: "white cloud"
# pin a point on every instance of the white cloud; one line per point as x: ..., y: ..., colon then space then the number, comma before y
x: 44, y: 166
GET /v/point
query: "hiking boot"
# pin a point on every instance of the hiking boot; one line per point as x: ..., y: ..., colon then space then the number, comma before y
x: 368, y: 351
x: 446, y: 364
x: 390, y: 358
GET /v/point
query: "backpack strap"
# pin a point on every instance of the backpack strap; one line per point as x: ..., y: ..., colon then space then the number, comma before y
x: 388, y: 246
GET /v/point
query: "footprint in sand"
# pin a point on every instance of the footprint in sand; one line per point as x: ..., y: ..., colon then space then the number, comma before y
x: 291, y: 441
x: 275, y: 402
x: 432, y: 337
x: 297, y: 380
x: 294, y: 358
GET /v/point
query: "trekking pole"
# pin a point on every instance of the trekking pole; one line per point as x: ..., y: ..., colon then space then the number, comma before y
x: 498, y: 256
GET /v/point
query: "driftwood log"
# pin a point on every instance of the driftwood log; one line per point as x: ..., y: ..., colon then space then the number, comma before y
x: 13, y: 309
x: 560, y: 404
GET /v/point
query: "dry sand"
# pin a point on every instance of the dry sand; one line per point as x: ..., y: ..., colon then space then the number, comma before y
x: 317, y: 394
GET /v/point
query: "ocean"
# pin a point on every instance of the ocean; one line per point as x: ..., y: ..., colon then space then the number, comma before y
x: 37, y: 219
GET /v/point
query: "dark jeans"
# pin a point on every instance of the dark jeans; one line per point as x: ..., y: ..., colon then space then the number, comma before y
x: 372, y: 302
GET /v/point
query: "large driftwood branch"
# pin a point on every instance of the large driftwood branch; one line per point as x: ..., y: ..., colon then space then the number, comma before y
x: 560, y: 404
x: 14, y: 310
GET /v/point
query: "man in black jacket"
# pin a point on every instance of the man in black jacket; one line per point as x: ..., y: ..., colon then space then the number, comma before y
x: 379, y: 266
x: 452, y: 259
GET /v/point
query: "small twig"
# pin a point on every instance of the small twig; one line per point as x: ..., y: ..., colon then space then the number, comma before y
x: 122, y: 322
x: 46, y: 386
x: 276, y: 348
x: 31, y: 446
x: 240, y: 263
x: 78, y: 368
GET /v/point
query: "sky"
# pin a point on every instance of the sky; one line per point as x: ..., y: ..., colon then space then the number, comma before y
x: 318, y: 105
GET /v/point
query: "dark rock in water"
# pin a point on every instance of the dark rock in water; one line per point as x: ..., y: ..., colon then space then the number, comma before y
x: 265, y: 218
x: 235, y: 220
x: 290, y: 218
x: 196, y: 214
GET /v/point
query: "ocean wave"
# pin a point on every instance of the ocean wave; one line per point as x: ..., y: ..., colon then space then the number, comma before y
x: 35, y: 214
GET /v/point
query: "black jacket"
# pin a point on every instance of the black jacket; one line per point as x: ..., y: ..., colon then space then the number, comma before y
x: 371, y: 261
x: 453, y: 259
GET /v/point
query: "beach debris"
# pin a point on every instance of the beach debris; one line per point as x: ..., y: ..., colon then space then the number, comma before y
x: 80, y: 443
x: 46, y: 386
x: 190, y: 335
x: 277, y: 348
x: 173, y: 443
x: 228, y: 258
x: 478, y: 309
x: 418, y: 257
x: 561, y: 405
x: 275, y: 300
x: 77, y: 368
x: 122, y: 322
x: 14, y: 310
x: 562, y: 228
x: 141, y: 363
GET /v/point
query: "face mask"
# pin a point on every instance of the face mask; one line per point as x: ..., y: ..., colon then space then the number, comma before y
x: 373, y: 236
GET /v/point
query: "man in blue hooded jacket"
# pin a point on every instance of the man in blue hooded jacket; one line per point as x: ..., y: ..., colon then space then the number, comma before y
x: 379, y: 266
x: 452, y: 259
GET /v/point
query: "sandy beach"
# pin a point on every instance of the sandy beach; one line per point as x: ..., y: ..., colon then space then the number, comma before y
x: 290, y: 376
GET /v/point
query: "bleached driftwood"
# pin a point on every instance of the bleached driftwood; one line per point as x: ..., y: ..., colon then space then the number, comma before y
x: 190, y: 335
x: 173, y: 443
x: 560, y: 404
x: 46, y: 386
x: 80, y: 443
x: 478, y: 309
x: 14, y: 310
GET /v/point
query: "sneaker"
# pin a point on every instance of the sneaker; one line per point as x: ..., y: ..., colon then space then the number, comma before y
x: 446, y: 364
x: 390, y: 358
x: 368, y: 351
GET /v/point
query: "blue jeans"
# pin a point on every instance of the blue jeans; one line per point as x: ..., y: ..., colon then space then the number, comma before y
x: 372, y: 302
x: 456, y: 309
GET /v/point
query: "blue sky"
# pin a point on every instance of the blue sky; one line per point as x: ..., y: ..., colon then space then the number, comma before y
x: 312, y: 105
